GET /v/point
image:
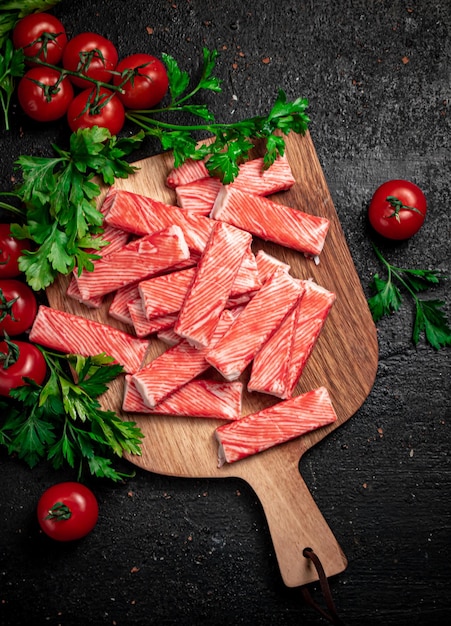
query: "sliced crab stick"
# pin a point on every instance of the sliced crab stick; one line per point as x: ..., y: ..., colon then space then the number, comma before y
x: 119, y: 305
x: 275, y: 425
x: 198, y: 196
x: 253, y: 177
x: 211, y: 286
x: 189, y: 171
x: 271, y: 221
x: 175, y: 367
x: 314, y: 309
x: 136, y: 261
x: 278, y: 366
x: 74, y: 334
x: 198, y: 398
x: 267, y: 263
x: 256, y: 323
x: 270, y: 367
x: 144, y: 327
x: 142, y: 215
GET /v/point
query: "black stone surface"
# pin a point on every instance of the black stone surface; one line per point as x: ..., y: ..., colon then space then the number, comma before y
x: 180, y: 551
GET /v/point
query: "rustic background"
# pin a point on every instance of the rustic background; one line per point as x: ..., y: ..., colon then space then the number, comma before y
x: 166, y: 551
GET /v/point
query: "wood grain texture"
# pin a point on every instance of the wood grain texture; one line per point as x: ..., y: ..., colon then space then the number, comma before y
x: 344, y: 360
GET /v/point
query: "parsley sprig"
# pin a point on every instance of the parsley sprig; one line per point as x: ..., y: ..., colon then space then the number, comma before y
x: 13, y: 10
x: 231, y: 142
x: 62, y: 421
x: 11, y: 67
x: 59, y: 195
x: 430, y: 319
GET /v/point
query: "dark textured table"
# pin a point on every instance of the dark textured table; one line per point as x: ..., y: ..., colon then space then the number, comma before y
x: 166, y: 550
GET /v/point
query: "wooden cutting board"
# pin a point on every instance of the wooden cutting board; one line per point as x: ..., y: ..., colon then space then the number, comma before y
x: 344, y: 360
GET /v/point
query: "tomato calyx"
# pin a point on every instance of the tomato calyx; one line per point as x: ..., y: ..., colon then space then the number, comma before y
x: 44, y: 41
x: 86, y: 58
x: 6, y: 307
x: 49, y: 90
x: 398, y: 205
x: 12, y: 356
x: 59, y: 512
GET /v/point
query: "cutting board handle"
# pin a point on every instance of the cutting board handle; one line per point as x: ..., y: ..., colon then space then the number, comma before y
x: 295, y: 522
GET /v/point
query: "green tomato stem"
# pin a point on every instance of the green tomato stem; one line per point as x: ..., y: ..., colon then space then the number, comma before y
x: 59, y: 512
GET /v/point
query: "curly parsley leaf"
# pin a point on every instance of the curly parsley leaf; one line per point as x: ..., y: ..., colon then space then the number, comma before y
x: 60, y: 195
x: 11, y: 67
x: 63, y: 422
x: 234, y: 139
x: 430, y: 319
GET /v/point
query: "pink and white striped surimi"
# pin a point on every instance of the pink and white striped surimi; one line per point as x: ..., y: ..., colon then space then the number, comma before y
x: 198, y: 398
x: 117, y: 239
x: 271, y: 221
x: 175, y: 367
x: 267, y: 263
x: 198, y: 197
x: 271, y: 364
x: 165, y: 294
x: 144, y: 327
x: 189, y: 171
x: 253, y: 177
x: 74, y: 334
x: 256, y: 323
x: 142, y: 215
x: 278, y: 366
x: 136, y: 261
x: 211, y: 286
x: 277, y: 424
x: 119, y: 305
x: 314, y: 310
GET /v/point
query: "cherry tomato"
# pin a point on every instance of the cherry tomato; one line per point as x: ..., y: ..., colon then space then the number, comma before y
x: 145, y: 88
x: 93, y: 55
x: 10, y: 251
x: 397, y: 209
x: 67, y: 511
x: 40, y: 35
x: 43, y: 95
x: 108, y: 112
x: 18, y: 307
x: 19, y: 360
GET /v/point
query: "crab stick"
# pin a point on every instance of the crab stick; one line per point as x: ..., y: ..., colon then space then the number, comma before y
x: 142, y: 215
x: 253, y: 177
x: 175, y: 367
x: 275, y: 425
x: 256, y: 323
x: 198, y: 196
x: 267, y: 263
x: 212, y: 283
x: 189, y: 171
x: 136, y: 261
x: 278, y: 366
x: 271, y: 221
x: 144, y: 327
x: 74, y: 334
x: 198, y: 398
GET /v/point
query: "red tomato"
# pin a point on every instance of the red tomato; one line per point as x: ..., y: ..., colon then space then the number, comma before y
x: 40, y: 35
x: 397, y: 209
x: 18, y: 307
x: 92, y: 55
x: 19, y: 360
x: 42, y: 94
x: 147, y: 86
x: 108, y: 112
x: 10, y: 251
x: 67, y: 511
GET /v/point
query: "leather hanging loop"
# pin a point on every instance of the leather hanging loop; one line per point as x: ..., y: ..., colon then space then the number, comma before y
x: 331, y: 614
